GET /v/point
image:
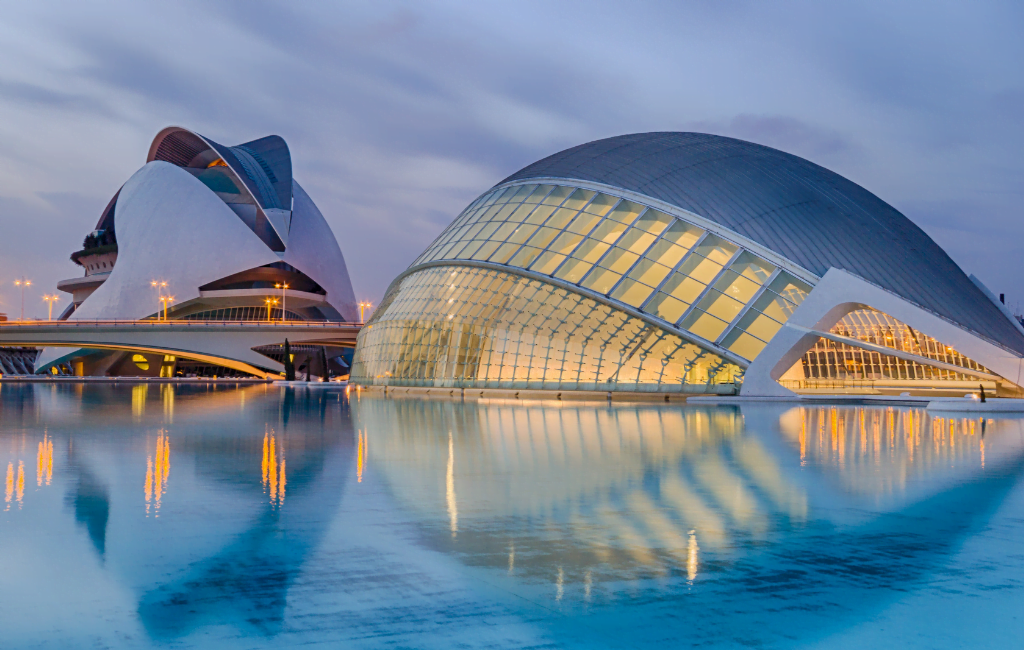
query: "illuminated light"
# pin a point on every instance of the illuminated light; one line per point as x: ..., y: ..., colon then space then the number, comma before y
x: 359, y: 459
x: 217, y: 163
x: 274, y: 473
x: 139, y: 393
x: 453, y: 507
x: 141, y: 361
x: 691, y: 557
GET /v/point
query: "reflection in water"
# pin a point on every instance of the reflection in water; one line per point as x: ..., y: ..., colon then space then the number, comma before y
x: 44, y: 461
x: 9, y: 486
x: 157, y: 473
x: 274, y: 476
x: 139, y: 394
x: 587, y: 499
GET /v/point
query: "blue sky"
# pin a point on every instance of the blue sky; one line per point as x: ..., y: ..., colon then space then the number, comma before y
x: 399, y: 114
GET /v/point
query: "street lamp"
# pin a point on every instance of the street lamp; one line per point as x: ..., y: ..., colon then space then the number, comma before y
x: 22, y: 282
x: 165, y: 300
x: 362, y: 306
x: 159, y: 286
x: 51, y: 299
x: 283, y: 286
x: 270, y: 303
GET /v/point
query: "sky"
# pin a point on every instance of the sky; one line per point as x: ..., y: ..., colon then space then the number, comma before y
x: 398, y: 114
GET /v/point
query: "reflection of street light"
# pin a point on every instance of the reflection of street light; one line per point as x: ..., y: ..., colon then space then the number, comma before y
x: 283, y: 286
x: 165, y: 300
x: 51, y: 299
x: 270, y: 303
x: 22, y: 282
x: 362, y: 306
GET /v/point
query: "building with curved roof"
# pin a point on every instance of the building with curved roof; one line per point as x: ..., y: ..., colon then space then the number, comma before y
x: 217, y: 229
x: 687, y: 263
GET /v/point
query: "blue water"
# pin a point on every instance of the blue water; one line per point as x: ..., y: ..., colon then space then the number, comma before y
x: 222, y: 517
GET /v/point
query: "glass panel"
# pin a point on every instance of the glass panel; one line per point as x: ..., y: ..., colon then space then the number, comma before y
x: 666, y: 253
x: 774, y: 306
x: 485, y: 251
x: 736, y: 286
x: 716, y: 249
x: 743, y: 344
x: 543, y: 237
x: 521, y: 234
x: 522, y: 192
x: 502, y: 255
x: 654, y: 222
x: 752, y: 267
x: 636, y: 240
x: 539, y: 193
x: 488, y: 229
x: 566, y: 243
x: 547, y: 263
x: 514, y: 332
x: 704, y: 325
x: 583, y: 223
x: 626, y: 212
x: 560, y: 217
x: 557, y: 195
x: 684, y: 288
x: 590, y: 250
x: 759, y: 325
x: 469, y: 249
x: 633, y: 293
x: 578, y: 199
x: 520, y: 213
x: 601, y: 280
x: 683, y: 234
x: 540, y: 214
x: 649, y: 273
x: 573, y: 270
x: 790, y: 288
x: 608, y: 231
x: 619, y: 260
x: 721, y: 306
x: 504, y: 211
x: 601, y: 204
x: 666, y: 307
x: 503, y: 231
x: 525, y: 256
x: 699, y: 268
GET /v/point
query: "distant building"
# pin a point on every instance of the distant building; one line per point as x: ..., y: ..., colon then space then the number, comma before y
x: 222, y: 227
x: 687, y: 263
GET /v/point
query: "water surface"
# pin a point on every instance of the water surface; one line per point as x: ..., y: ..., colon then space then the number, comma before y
x: 163, y: 516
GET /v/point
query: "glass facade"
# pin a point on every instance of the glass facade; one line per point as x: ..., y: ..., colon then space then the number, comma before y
x: 835, y: 361
x: 668, y: 268
x: 463, y: 326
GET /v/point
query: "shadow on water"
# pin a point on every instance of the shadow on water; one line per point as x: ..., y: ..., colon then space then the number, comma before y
x: 693, y: 526
x: 90, y: 499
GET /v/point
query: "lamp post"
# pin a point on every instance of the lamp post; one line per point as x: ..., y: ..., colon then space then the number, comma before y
x: 270, y: 303
x: 51, y: 299
x: 283, y: 286
x: 159, y: 286
x: 165, y: 300
x: 22, y: 282
x: 362, y: 306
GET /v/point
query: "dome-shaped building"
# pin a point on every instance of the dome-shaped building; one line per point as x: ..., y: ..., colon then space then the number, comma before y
x: 687, y: 263
x: 217, y: 228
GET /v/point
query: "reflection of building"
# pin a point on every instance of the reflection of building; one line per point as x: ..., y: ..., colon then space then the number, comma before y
x: 217, y: 229
x: 690, y: 263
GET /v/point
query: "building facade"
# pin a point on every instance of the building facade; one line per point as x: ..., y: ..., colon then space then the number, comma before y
x: 687, y: 263
x: 205, y: 232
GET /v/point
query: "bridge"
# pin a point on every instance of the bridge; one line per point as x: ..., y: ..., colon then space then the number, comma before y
x: 223, y: 343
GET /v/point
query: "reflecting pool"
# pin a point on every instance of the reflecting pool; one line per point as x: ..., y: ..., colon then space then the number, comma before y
x: 247, y: 517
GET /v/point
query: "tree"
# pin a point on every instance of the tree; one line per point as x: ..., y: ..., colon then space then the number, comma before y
x: 289, y: 365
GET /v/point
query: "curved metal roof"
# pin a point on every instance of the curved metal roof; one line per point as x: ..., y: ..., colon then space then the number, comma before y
x: 802, y: 211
